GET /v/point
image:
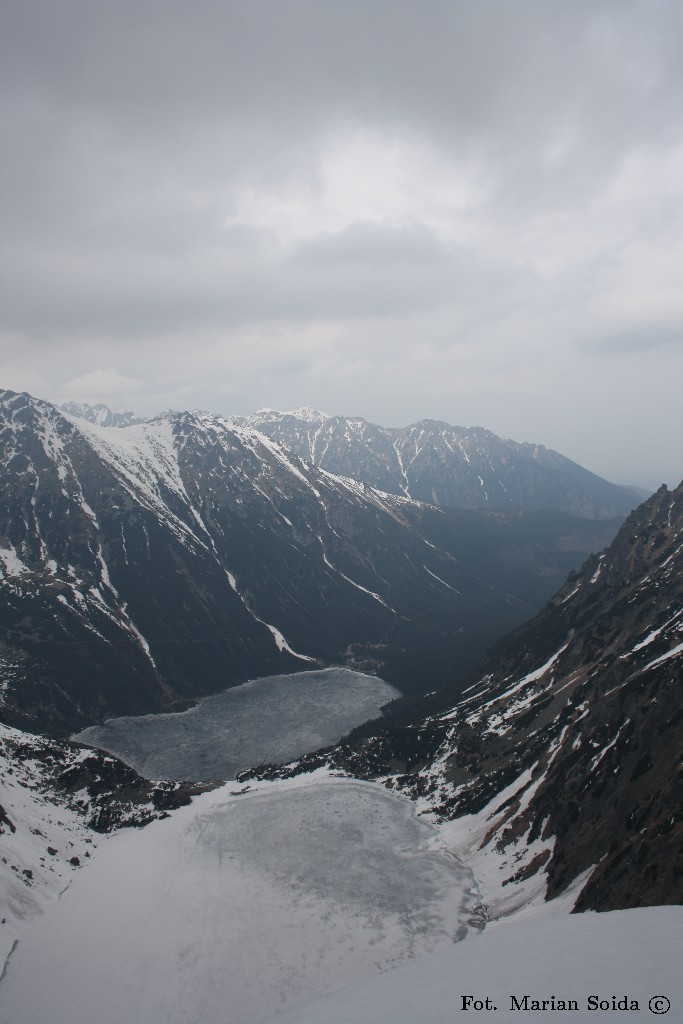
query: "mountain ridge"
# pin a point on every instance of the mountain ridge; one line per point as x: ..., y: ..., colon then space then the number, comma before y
x: 432, y: 461
x: 445, y: 465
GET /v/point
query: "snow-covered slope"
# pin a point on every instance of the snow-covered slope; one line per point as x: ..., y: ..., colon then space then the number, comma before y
x: 42, y: 842
x: 57, y: 802
x: 624, y: 965
x: 567, y: 752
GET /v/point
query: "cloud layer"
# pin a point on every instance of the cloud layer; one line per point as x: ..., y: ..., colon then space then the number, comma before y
x: 459, y: 210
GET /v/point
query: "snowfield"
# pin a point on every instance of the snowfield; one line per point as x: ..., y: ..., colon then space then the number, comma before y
x: 627, y: 955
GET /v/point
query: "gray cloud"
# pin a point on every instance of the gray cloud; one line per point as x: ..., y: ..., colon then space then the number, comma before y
x: 639, y: 340
x: 281, y: 203
x: 366, y: 242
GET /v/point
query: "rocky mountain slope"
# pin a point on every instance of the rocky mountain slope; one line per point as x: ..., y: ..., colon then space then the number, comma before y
x: 560, y: 765
x: 147, y: 565
x: 56, y: 801
x: 453, y: 467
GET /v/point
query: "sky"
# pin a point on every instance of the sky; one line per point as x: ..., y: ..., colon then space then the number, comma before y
x: 455, y: 209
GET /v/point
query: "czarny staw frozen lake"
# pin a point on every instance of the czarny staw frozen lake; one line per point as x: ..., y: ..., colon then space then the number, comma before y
x: 266, y: 721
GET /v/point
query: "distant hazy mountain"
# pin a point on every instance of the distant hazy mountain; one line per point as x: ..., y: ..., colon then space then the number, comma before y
x: 147, y: 565
x: 565, y: 753
x: 453, y: 467
x: 101, y: 414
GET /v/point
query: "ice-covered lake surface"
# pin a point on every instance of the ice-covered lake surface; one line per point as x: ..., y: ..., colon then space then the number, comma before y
x: 266, y: 721
x: 250, y: 901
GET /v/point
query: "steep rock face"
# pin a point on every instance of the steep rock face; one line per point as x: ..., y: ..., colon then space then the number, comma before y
x: 564, y: 756
x: 148, y: 565
x: 583, y: 712
x: 453, y: 467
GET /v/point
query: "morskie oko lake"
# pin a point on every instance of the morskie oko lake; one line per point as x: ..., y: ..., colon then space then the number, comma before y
x: 270, y: 720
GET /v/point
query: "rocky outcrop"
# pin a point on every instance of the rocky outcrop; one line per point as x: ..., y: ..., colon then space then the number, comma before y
x: 58, y: 801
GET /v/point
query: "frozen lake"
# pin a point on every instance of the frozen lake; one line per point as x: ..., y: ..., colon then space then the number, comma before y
x: 240, y: 906
x: 266, y: 721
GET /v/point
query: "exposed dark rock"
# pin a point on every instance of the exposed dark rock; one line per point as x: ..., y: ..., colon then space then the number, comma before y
x: 107, y: 793
x: 5, y: 821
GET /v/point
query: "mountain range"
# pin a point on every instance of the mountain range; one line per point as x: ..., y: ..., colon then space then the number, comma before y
x: 101, y: 414
x: 147, y: 565
x: 453, y: 467
x: 430, y: 461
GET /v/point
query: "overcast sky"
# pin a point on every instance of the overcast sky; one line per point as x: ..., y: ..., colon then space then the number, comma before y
x: 468, y: 210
